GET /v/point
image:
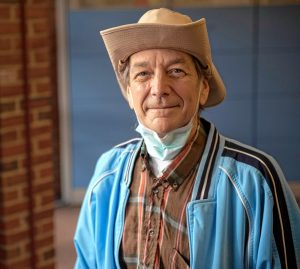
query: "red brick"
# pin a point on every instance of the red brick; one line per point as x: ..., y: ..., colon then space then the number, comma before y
x: 38, y: 42
x: 11, y: 90
x: 44, y: 228
x: 44, y: 3
x: 8, y: 136
x: 13, y: 252
x: 9, y: 28
x: 46, y: 214
x: 42, y: 56
x: 10, y: 75
x: 14, y: 58
x: 10, y: 224
x: 44, y: 87
x: 5, y: 44
x: 41, y: 26
x: 45, y: 115
x: 14, y: 238
x: 9, y: 195
x: 8, y: 166
x: 24, y: 263
x: 44, y: 144
x: 37, y: 131
x: 34, y: 12
x: 12, y: 121
x: 16, y: 11
x: 43, y: 186
x: 46, y: 241
x: 13, y: 150
x: 36, y: 72
x: 4, y: 12
x: 7, y: 107
x: 16, y: 208
x: 40, y: 102
x: 47, y: 199
x: 14, y: 180
x: 42, y: 159
x: 16, y: 42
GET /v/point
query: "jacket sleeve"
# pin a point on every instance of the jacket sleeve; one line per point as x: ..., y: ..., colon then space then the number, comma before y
x: 84, y: 239
x: 291, y: 225
x: 94, y: 236
x: 279, y: 222
x: 272, y: 211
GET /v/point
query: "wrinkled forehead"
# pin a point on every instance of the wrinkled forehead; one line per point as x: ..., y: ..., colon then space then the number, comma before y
x: 162, y: 55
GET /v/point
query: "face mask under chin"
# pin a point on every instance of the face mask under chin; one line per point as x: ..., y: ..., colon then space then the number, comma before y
x: 169, y: 146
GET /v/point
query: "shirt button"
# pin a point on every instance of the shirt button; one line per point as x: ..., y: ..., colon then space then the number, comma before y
x: 175, y: 185
x: 151, y: 232
x: 155, y: 191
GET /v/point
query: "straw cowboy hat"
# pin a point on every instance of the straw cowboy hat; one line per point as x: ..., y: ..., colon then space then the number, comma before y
x: 164, y: 29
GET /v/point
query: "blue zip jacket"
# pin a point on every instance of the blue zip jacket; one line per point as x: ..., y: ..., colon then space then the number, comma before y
x: 242, y: 213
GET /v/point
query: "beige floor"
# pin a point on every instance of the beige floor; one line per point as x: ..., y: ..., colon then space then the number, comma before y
x: 65, y: 219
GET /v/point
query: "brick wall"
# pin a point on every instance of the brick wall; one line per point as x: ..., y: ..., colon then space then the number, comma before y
x: 28, y: 133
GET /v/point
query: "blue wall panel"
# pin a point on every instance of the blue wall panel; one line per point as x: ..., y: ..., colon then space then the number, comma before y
x: 278, y: 74
x: 228, y: 28
x: 237, y: 110
x: 279, y: 27
x: 233, y: 118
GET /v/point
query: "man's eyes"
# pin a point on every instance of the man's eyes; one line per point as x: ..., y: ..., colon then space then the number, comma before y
x: 178, y: 72
x: 174, y: 72
x: 142, y: 74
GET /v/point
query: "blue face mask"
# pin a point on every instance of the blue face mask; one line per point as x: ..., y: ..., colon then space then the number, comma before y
x: 169, y: 146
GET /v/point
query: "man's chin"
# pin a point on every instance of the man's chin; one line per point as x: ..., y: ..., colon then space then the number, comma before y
x: 161, y: 126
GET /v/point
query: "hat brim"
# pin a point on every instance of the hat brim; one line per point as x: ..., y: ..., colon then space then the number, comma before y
x: 191, y: 38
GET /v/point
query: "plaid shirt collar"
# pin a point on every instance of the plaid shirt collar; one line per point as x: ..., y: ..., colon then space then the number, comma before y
x: 183, y: 164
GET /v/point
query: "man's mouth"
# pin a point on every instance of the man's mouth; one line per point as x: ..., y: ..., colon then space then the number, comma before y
x: 163, y: 107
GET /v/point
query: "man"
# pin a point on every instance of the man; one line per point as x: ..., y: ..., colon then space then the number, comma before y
x: 182, y: 196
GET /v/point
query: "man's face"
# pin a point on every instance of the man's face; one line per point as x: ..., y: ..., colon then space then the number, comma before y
x: 164, y: 89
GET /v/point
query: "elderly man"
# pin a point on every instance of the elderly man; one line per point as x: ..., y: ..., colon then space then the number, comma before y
x: 182, y: 196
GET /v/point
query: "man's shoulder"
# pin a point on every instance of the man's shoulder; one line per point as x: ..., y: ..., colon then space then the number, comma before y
x: 247, y: 154
x: 244, y: 162
x: 114, y: 160
x: 116, y: 155
x: 128, y: 144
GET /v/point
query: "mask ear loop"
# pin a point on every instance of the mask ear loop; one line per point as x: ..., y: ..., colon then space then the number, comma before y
x: 198, y: 100
x: 129, y: 98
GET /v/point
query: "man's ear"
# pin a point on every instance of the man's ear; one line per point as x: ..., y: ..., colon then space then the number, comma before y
x: 129, y: 97
x: 204, y: 92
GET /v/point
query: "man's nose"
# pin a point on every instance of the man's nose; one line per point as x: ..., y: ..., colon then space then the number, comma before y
x: 159, y: 84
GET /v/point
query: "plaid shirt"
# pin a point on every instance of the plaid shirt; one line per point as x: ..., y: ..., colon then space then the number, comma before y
x: 155, y: 232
